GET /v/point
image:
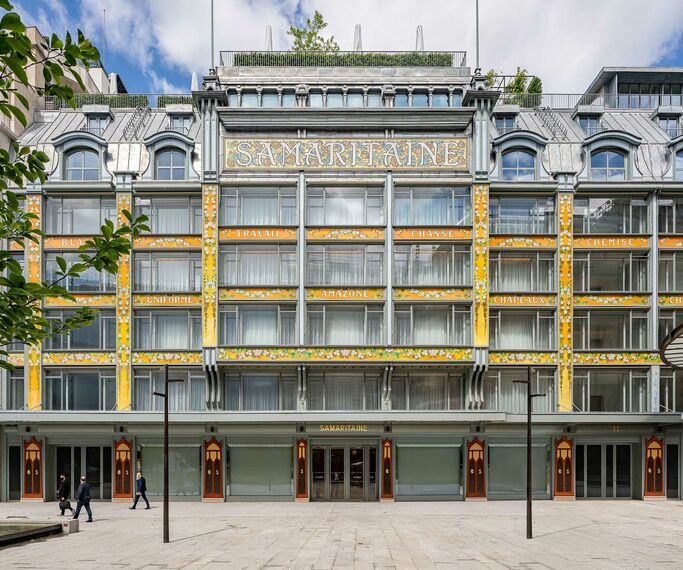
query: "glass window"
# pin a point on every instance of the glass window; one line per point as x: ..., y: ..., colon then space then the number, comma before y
x: 502, y: 393
x: 263, y: 265
x: 669, y: 319
x: 334, y: 99
x: 15, y: 389
x: 354, y: 99
x: 670, y: 271
x: 419, y: 99
x: 602, y: 329
x: 608, y: 165
x: 513, y: 329
x: 250, y: 99
x: 345, y: 325
x: 180, y: 123
x: 678, y: 166
x: 82, y: 164
x: 519, y: 165
x: 260, y: 392
x: 167, y: 271
x: 610, y: 215
x: 89, y: 280
x: 343, y: 391
x: 439, y: 99
x: 97, y: 124
x: 315, y: 99
x: 270, y: 99
x: 428, y: 471
x: 426, y: 391
x: 345, y: 265
x: 504, y: 123
x: 167, y: 329
x: 260, y: 471
x: 670, y: 390
x: 170, y: 164
x: 507, y: 479
x: 601, y: 390
x: 184, y: 468
x: 258, y: 206
x: 669, y: 125
x: 512, y: 272
x: 426, y: 264
x: 610, y: 271
x: 374, y: 98
x: 401, y: 99
x: 78, y: 215
x: 288, y: 99
x: 590, y: 124
x: 432, y: 325
x: 353, y: 206
x: 424, y: 206
x: 187, y: 392
x: 100, y: 335
x: 257, y: 325
x: 73, y: 389
x: 522, y: 215
x: 171, y: 215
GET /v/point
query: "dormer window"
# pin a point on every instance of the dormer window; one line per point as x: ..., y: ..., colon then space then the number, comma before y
x: 96, y: 124
x: 504, y: 123
x: 519, y: 165
x: 669, y: 125
x: 608, y: 165
x: 590, y: 125
x: 180, y: 123
x: 82, y: 164
x: 170, y: 164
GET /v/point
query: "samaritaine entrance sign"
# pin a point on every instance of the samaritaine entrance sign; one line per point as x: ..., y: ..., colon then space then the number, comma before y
x: 395, y: 154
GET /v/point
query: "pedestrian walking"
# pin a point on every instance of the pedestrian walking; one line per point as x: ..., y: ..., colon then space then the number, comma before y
x: 83, y: 499
x: 63, y: 489
x: 141, y: 490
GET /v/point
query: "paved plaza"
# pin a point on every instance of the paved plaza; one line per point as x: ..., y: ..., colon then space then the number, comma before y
x: 598, y: 534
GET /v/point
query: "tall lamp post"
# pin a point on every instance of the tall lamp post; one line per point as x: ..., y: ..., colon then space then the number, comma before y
x: 165, y: 397
x: 529, y: 400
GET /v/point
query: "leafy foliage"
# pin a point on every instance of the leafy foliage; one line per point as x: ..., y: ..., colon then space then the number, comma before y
x: 308, y: 38
x: 519, y: 90
x: 22, y: 319
x: 348, y: 59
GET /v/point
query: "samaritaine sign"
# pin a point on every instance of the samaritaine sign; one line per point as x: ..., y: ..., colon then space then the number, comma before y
x: 393, y: 154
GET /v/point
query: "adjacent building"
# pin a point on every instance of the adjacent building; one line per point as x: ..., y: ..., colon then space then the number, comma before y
x: 353, y: 259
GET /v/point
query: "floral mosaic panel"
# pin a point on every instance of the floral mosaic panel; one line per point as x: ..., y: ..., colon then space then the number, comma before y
x: 78, y: 358
x: 210, y: 265
x: 167, y: 242
x: 64, y: 242
x: 34, y: 262
x: 123, y: 315
x: 524, y: 242
x: 611, y: 300
x: 160, y: 358
x: 611, y: 242
x: 16, y: 358
x: 565, y: 300
x: 169, y: 299
x: 670, y: 242
x: 257, y: 294
x: 325, y: 354
x: 480, y: 200
x: 350, y: 234
x: 616, y: 358
x: 432, y: 294
x: 526, y: 358
x: 345, y: 294
x: 83, y: 300
x: 432, y: 234
x: 516, y: 300
x: 671, y: 300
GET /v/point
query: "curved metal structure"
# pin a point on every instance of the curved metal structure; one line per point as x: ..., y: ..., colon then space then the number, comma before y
x: 671, y: 348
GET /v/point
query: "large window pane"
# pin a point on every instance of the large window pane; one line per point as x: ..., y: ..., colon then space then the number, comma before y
x: 260, y: 471
x: 184, y: 468
x: 427, y: 470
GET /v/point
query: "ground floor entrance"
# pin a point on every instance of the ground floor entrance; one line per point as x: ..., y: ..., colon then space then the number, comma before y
x: 344, y: 472
x: 603, y: 470
x: 93, y: 461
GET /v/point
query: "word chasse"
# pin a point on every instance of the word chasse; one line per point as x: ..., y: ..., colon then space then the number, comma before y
x: 347, y: 153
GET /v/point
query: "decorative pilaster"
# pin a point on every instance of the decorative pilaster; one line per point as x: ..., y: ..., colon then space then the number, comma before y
x: 565, y: 300
x: 210, y: 265
x: 34, y: 263
x: 564, y: 467
x: 213, y: 469
x: 124, y: 314
x: 123, y: 469
x: 302, y: 470
x: 654, y: 467
x: 33, y: 469
x: 476, y: 469
x: 387, y: 478
x: 480, y: 223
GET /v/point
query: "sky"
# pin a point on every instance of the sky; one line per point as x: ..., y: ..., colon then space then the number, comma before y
x: 155, y: 45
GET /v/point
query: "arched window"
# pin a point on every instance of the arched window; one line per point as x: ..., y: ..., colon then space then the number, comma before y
x: 608, y: 165
x: 82, y: 164
x: 678, y: 166
x: 519, y: 165
x: 170, y: 165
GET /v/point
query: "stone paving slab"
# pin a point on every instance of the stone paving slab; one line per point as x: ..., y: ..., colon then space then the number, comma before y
x: 577, y: 534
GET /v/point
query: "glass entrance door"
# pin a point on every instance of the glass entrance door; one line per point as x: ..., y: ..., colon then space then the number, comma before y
x: 92, y: 461
x: 603, y: 471
x: 344, y: 473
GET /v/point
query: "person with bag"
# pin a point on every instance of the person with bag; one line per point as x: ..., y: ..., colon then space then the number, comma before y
x: 63, y: 489
x: 83, y: 499
x: 141, y: 490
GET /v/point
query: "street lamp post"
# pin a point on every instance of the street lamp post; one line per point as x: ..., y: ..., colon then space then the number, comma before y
x: 529, y: 400
x: 165, y: 397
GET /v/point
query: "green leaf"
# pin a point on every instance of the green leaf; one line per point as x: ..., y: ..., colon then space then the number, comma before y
x: 12, y: 22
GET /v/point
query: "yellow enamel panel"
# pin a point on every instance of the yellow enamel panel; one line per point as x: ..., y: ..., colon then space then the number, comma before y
x: 345, y: 294
x: 169, y: 299
x: 159, y: 358
x: 258, y: 234
x: 606, y: 300
x: 523, y: 358
x: 78, y: 358
x: 34, y: 263
x: 514, y: 300
x: 523, y: 242
x: 480, y: 201
x: 64, y: 242
x: 83, y: 300
x: 325, y: 354
x: 343, y: 234
x: 167, y: 242
x: 257, y: 294
x: 670, y: 242
x: 16, y: 358
x: 16, y: 246
x: 616, y: 358
x: 432, y: 294
x: 346, y: 154
x: 123, y: 315
x: 432, y: 234
x: 565, y: 300
x: 671, y: 300
x: 611, y: 242
x: 210, y: 265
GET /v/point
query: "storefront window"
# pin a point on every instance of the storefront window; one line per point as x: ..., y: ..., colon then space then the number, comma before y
x: 167, y: 329
x: 184, y: 469
x: 186, y: 393
x: 507, y: 470
x: 416, y: 391
x: 424, y: 470
x: 100, y: 335
x: 503, y: 391
x: 71, y: 390
x: 260, y: 471
x: 432, y: 325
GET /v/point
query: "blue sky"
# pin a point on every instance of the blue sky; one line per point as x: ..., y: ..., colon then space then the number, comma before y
x: 155, y: 45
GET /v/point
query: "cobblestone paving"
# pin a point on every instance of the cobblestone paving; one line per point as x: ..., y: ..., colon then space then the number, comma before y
x: 577, y: 534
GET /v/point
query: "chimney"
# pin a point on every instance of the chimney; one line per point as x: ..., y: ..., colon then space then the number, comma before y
x: 357, y: 39
x: 419, y: 39
x: 113, y: 83
x: 269, y: 38
x: 195, y: 82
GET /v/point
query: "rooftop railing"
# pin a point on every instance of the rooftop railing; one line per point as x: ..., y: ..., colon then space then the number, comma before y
x: 343, y: 59
x: 572, y: 100
x: 120, y: 100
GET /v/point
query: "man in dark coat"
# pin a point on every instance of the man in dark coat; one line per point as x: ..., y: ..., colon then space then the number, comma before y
x: 83, y: 499
x: 63, y: 489
x: 141, y: 490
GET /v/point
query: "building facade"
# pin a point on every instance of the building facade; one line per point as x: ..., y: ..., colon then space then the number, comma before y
x: 350, y: 266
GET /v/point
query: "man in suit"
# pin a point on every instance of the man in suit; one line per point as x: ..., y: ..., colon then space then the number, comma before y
x: 141, y: 490
x: 63, y: 490
x: 83, y: 499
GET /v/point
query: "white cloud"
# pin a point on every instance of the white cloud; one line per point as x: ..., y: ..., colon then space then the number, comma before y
x: 565, y: 42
